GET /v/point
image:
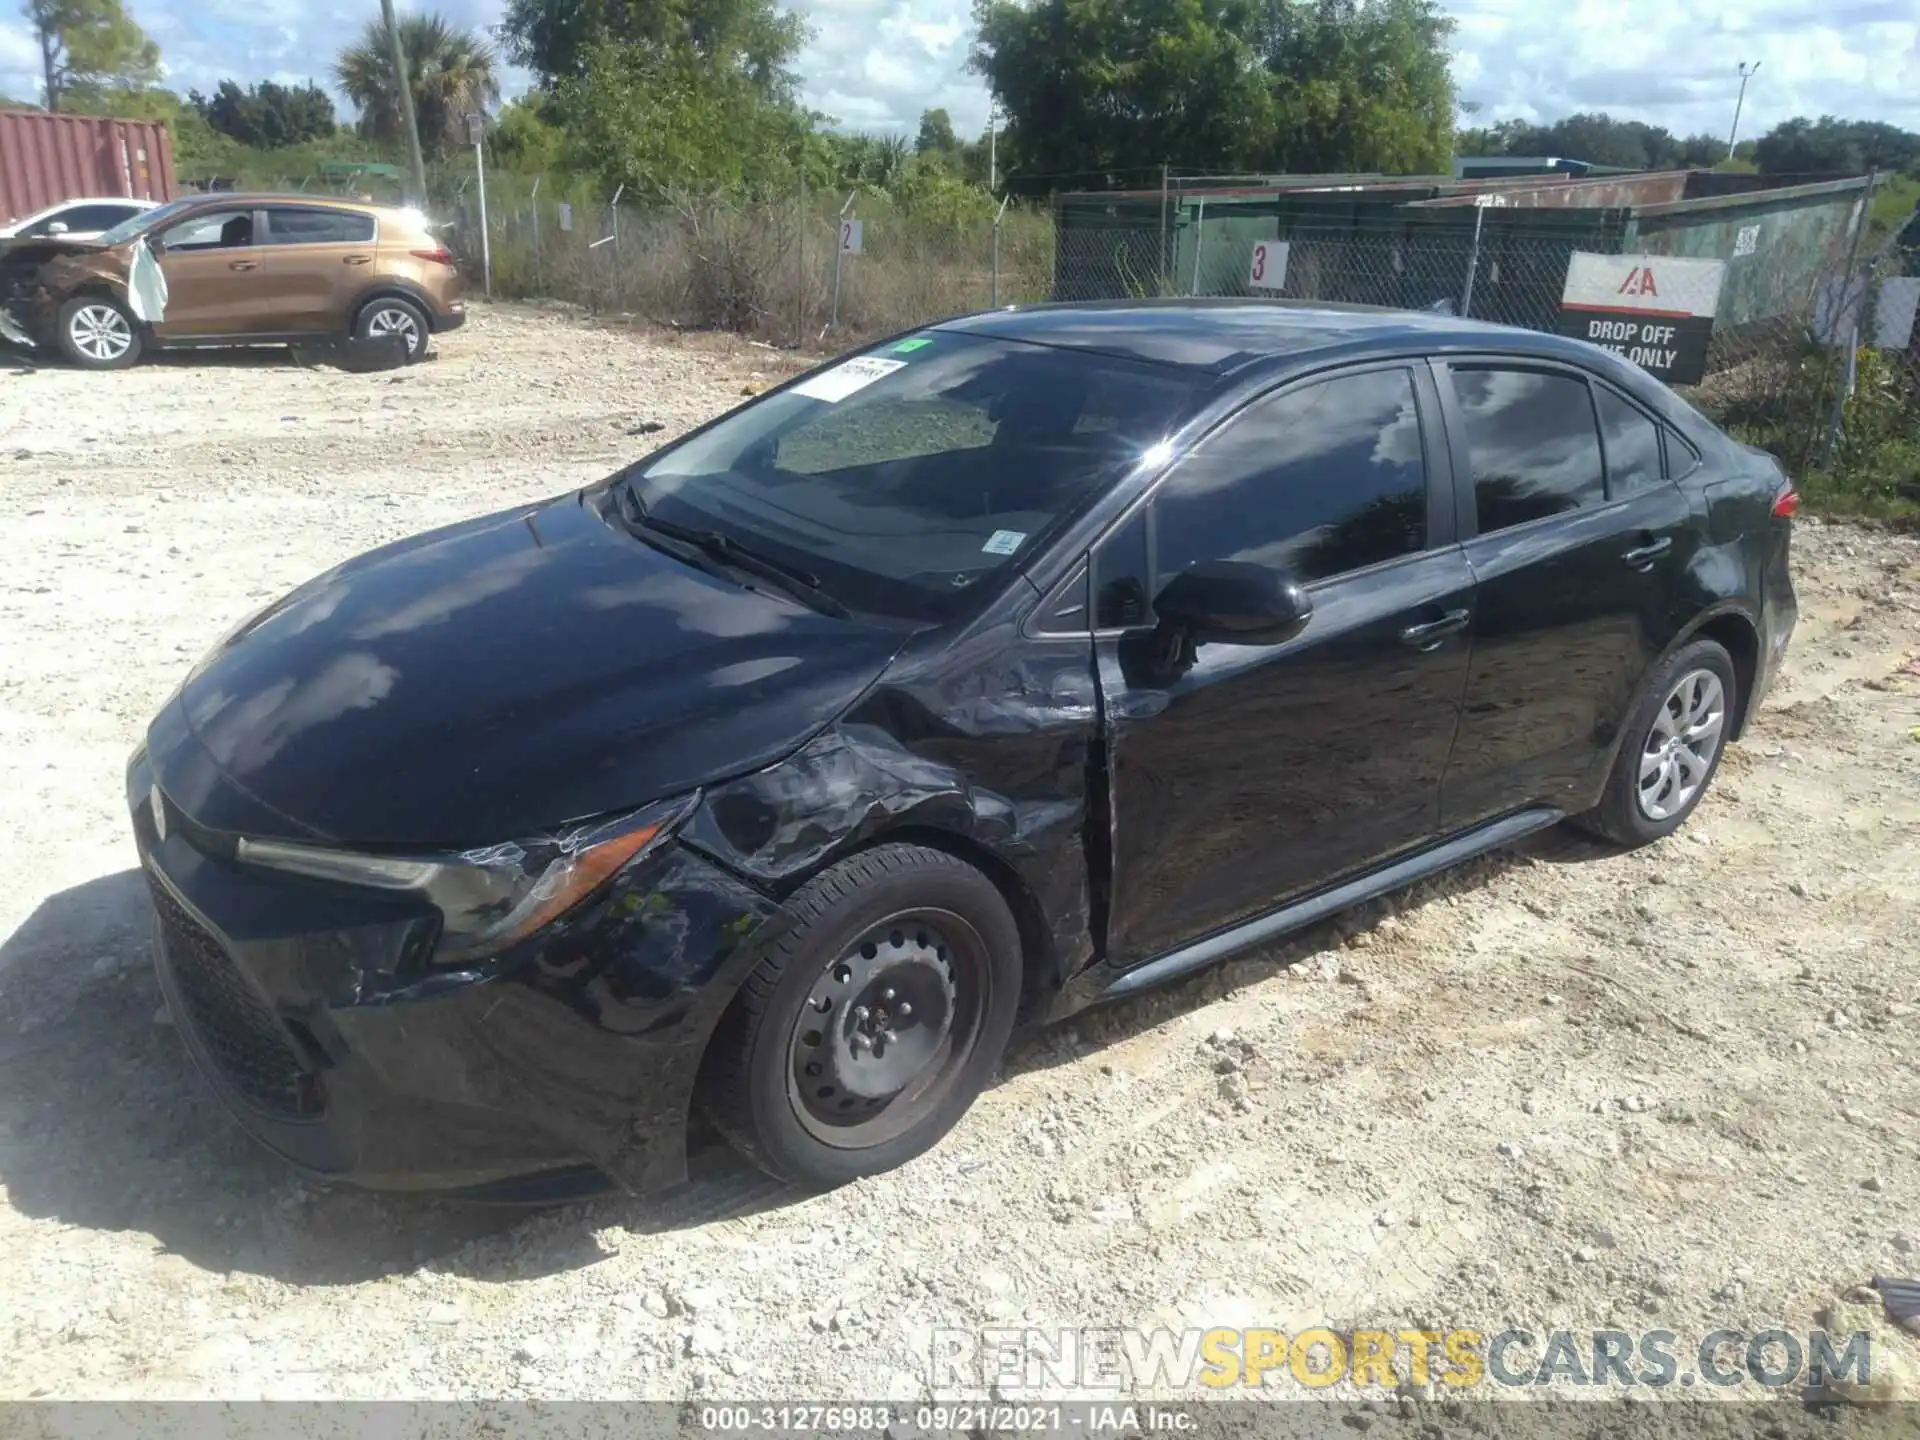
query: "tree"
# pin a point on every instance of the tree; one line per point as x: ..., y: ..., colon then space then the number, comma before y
x: 936, y: 134
x: 267, y: 116
x: 453, y: 73
x: 1801, y: 145
x: 555, y: 38
x: 1093, y: 87
x: 90, y: 44
x: 666, y: 120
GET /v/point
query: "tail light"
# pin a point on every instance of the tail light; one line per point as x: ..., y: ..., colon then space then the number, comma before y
x: 441, y: 256
x: 1786, y: 504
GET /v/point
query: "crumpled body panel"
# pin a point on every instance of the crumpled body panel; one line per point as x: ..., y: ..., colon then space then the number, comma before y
x: 992, y: 759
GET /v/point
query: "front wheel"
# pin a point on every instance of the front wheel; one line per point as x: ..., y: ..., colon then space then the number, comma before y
x: 96, y: 332
x: 880, y: 1009
x: 390, y: 318
x: 1672, y: 747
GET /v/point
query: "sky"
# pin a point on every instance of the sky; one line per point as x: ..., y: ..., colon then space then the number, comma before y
x: 876, y: 64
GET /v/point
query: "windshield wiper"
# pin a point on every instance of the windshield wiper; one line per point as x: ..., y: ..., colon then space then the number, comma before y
x: 724, y: 548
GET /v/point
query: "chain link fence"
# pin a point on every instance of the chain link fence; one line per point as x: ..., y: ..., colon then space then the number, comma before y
x: 1814, y: 356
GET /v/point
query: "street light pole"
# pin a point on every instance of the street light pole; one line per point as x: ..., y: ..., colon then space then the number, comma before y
x: 1746, y: 73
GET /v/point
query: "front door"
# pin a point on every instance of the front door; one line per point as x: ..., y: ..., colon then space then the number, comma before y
x: 1240, y: 775
x: 218, y: 276
x: 321, y: 258
x: 1577, y: 552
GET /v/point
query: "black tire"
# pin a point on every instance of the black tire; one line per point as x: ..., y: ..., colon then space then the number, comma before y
x: 1625, y: 815
x: 388, y: 314
x: 939, y: 930
x: 97, y: 332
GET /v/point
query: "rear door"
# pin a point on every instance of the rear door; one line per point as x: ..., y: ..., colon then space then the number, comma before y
x: 321, y: 257
x: 217, y: 275
x: 1241, y: 775
x: 1578, y: 548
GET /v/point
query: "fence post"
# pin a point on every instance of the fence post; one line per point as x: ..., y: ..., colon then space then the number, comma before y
x: 1837, y: 417
x: 533, y: 208
x: 1199, y: 239
x: 995, y: 302
x: 1163, y: 226
x: 1473, y: 256
x: 838, y: 251
x: 800, y: 263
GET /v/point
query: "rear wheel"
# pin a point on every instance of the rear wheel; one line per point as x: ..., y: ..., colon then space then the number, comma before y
x: 879, y: 1010
x: 1672, y: 747
x: 392, y: 318
x: 97, y: 333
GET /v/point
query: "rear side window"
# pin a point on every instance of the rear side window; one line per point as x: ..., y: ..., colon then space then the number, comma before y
x: 1316, y: 482
x: 1532, y: 445
x: 288, y: 226
x: 1633, y: 445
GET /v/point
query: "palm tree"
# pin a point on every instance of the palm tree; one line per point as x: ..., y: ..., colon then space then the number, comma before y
x: 453, y: 73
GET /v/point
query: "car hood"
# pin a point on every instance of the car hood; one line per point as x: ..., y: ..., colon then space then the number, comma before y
x: 497, y: 678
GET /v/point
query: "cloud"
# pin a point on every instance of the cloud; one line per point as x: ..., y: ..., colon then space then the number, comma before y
x: 876, y: 64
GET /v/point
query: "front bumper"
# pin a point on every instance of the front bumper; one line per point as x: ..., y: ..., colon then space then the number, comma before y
x: 562, y: 1066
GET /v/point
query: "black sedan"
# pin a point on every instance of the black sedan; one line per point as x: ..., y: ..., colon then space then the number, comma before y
x: 1000, y: 669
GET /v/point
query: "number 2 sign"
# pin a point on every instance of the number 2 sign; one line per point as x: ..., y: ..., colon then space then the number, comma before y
x: 1269, y: 268
x: 850, y: 237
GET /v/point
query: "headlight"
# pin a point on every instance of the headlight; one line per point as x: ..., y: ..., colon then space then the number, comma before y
x: 490, y: 897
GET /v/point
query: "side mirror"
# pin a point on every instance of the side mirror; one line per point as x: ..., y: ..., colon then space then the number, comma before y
x: 1234, y: 602
x: 57, y: 227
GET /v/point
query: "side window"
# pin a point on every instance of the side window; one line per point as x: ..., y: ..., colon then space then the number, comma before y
x: 1120, y: 575
x: 1532, y: 444
x: 1682, y: 457
x: 1317, y: 481
x: 289, y: 226
x: 215, y: 230
x: 1633, y: 445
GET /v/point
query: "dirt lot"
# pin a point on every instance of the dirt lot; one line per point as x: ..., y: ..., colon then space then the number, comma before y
x: 1674, y: 1088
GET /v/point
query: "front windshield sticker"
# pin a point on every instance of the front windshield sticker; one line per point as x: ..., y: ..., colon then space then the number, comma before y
x: 1003, y: 542
x: 843, y: 380
x: 907, y: 347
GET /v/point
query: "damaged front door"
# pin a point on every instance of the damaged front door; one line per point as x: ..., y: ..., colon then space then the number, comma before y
x: 1242, y: 774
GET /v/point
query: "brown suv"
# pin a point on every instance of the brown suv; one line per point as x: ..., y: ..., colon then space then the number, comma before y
x: 232, y: 270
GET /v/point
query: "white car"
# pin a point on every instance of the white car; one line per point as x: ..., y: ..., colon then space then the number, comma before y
x: 75, y: 219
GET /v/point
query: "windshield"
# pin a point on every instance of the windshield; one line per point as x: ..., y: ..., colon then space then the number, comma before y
x: 139, y: 224
x: 908, y: 477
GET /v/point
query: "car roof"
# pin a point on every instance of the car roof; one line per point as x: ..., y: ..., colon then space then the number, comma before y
x: 1223, y: 335
x: 295, y: 197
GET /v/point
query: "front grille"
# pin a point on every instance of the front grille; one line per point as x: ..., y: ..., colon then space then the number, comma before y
x: 233, y: 1024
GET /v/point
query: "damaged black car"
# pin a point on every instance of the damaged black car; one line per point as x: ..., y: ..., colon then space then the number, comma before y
x: 1003, y: 668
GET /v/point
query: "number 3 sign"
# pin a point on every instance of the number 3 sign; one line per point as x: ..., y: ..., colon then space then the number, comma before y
x: 1269, y: 269
x: 850, y: 237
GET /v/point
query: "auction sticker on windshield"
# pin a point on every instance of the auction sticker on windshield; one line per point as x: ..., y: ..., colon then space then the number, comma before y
x: 843, y: 380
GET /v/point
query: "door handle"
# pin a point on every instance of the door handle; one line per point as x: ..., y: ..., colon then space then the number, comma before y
x: 1643, y: 557
x: 357, y: 260
x: 1430, y: 635
x: 243, y: 265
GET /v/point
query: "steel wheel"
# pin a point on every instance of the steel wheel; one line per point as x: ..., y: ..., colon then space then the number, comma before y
x: 1680, y: 747
x: 885, y: 1026
x: 100, y: 333
x: 385, y: 320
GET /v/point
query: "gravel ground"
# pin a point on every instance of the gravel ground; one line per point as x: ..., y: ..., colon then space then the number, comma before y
x: 1560, y: 1087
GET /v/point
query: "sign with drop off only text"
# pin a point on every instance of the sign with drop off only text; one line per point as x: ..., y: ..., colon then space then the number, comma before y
x: 1656, y: 310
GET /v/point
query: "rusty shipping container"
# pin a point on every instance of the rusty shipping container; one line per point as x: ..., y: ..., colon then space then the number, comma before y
x: 45, y: 159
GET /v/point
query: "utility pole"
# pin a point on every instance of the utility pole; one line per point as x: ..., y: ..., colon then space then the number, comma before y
x: 1747, y: 72
x: 404, y: 84
x: 993, y: 152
